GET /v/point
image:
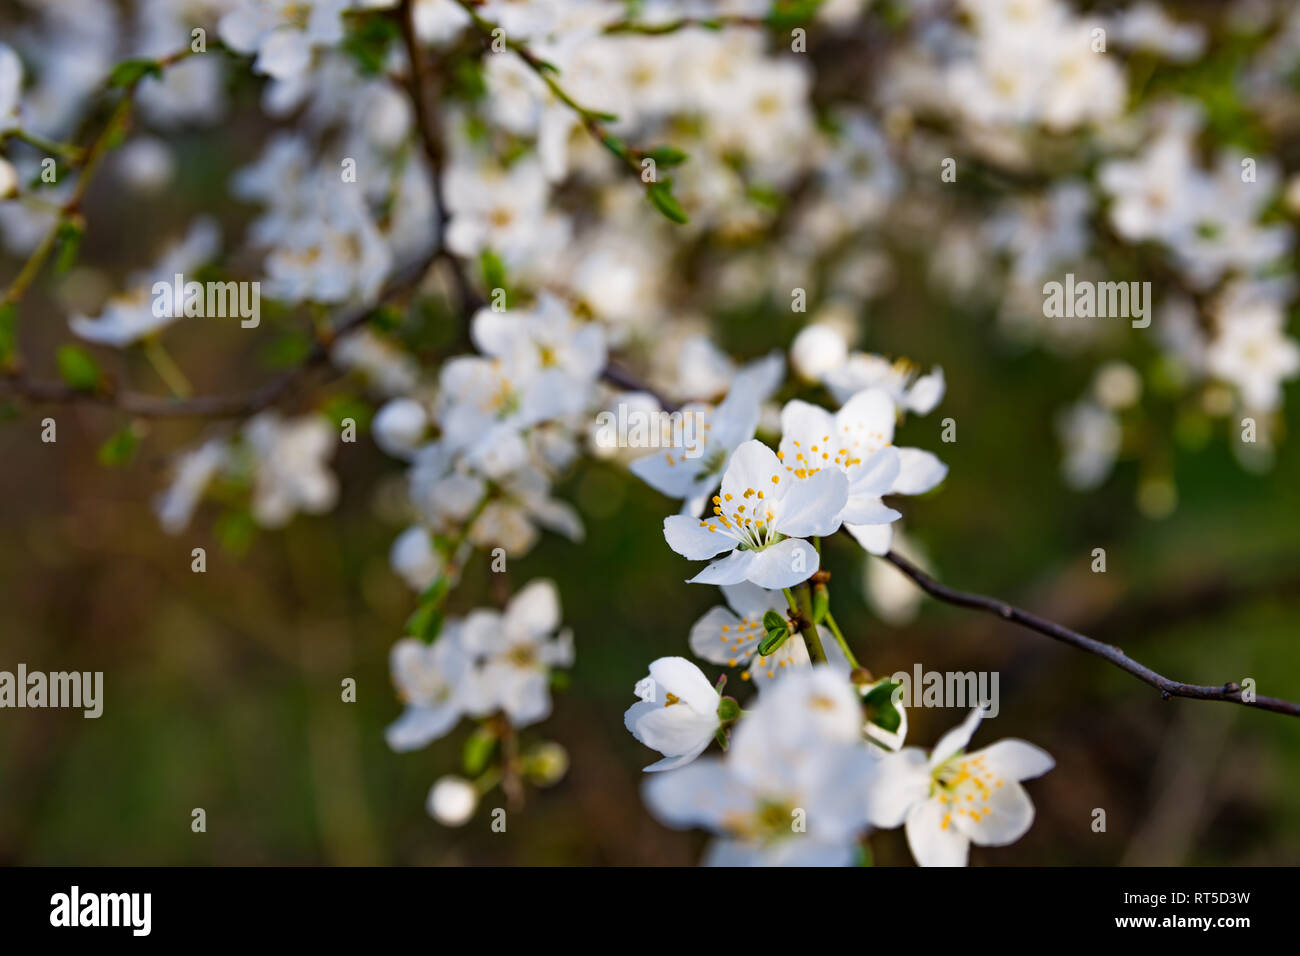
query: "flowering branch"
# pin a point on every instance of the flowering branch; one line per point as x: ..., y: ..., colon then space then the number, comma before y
x: 659, y: 192
x: 214, y: 406
x: 1230, y: 691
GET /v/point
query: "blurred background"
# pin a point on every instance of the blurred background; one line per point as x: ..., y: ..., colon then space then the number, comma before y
x: 222, y: 689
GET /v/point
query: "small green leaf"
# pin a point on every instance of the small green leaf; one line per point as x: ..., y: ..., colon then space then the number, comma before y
x: 494, y: 271
x: 426, y: 621
x: 119, y: 448
x: 69, y: 237
x: 770, y: 644
x: 667, y: 156
x: 338, y: 407
x: 773, y: 620
x: 478, y: 751
x: 130, y: 72
x: 77, y: 368
x: 615, y: 145
x: 286, y: 351
x: 236, y: 531
x: 728, y: 710
x: 661, y: 197
x: 878, y: 703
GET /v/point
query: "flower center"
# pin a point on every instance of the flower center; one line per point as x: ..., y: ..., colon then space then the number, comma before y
x: 964, y: 785
x: 750, y: 521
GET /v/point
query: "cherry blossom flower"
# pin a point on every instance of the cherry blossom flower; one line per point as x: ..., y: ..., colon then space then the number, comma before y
x: 952, y: 799
x: 514, y: 652
x: 677, y: 714
x: 761, y: 517
x: 430, y: 680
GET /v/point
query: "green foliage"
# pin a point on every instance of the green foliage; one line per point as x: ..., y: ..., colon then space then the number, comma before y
x: 661, y: 197
x: 130, y: 72
x: 368, y: 40
x: 339, y: 407
x: 478, y: 750
x: 77, y: 367
x: 878, y: 702
x: 69, y: 237
x: 236, y: 530
x: 120, y: 447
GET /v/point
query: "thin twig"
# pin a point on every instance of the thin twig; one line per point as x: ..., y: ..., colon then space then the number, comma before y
x: 435, y: 152
x: 1230, y: 691
x: 236, y: 405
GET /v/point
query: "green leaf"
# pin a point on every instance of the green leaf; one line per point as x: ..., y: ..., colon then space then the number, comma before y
x: 338, y: 407
x: 367, y: 42
x: 878, y: 703
x: 130, y: 72
x: 426, y: 621
x: 728, y: 710
x: 494, y: 271
x: 772, y: 642
x: 773, y: 620
x: 77, y: 368
x: 478, y: 751
x: 615, y: 145
x: 667, y: 156
x: 286, y: 351
x: 69, y: 237
x: 119, y: 448
x: 661, y: 197
x: 236, y: 531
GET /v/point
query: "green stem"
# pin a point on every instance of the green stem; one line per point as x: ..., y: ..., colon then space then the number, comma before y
x: 811, y: 637
x: 167, y: 368
x: 839, y: 636
x: 71, y: 153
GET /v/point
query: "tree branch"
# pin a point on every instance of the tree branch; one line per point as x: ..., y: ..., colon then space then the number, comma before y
x: 215, y: 406
x: 1230, y: 691
x: 435, y: 153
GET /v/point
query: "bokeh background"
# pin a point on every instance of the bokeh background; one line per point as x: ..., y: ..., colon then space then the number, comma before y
x: 222, y: 689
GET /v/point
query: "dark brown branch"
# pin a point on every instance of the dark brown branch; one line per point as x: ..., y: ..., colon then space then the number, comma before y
x: 1168, y: 688
x: 435, y: 153
x: 618, y: 376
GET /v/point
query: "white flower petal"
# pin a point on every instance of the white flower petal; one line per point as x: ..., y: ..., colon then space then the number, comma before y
x: 930, y: 842
x: 732, y: 569
x: 812, y: 506
x: 919, y: 471
x: 1012, y: 816
x: 782, y: 565
x: 955, y: 740
x: 691, y: 538
x: 1016, y: 759
x: 685, y: 681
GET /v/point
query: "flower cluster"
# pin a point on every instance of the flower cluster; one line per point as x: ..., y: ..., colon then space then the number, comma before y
x: 472, y: 220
